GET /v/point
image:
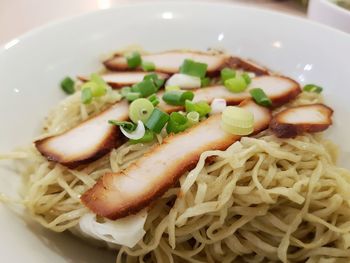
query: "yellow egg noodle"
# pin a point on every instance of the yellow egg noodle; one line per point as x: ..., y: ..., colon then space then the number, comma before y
x: 264, y: 199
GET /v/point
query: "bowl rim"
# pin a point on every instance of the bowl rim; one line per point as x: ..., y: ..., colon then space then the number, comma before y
x: 66, y: 20
x: 332, y: 4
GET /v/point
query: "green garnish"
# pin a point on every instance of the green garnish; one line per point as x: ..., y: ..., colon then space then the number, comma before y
x: 67, y: 85
x: 86, y: 95
x: 227, y: 73
x: 193, y: 117
x: 177, y: 97
x: 260, y: 97
x: 236, y: 84
x: 148, y: 137
x: 126, y: 125
x: 148, y: 66
x: 202, y: 107
x: 124, y: 91
x: 133, y: 60
x: 177, y: 123
x: 154, y: 99
x: 247, y: 78
x: 140, y: 110
x: 170, y: 88
x: 154, y: 77
x: 145, y: 88
x: 157, y: 120
x: 193, y: 68
x: 205, y: 81
x: 312, y: 88
x: 131, y: 96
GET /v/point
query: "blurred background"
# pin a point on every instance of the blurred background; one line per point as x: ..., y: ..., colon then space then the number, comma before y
x: 20, y: 16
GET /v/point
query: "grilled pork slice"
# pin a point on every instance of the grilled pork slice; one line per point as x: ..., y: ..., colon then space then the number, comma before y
x: 170, y: 62
x: 91, y: 139
x: 117, y: 195
x: 297, y: 120
x: 86, y: 142
x: 121, y: 79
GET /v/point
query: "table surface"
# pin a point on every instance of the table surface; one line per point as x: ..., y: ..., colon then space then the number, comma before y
x: 20, y: 16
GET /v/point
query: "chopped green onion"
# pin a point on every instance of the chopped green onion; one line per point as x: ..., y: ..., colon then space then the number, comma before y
x: 177, y: 123
x: 237, y: 121
x: 140, y: 110
x: 227, y: 73
x: 193, y: 68
x: 154, y: 77
x: 131, y: 96
x: 157, y: 120
x: 260, y: 97
x: 148, y: 137
x: 145, y: 87
x: 205, y: 82
x: 247, y: 78
x: 170, y: 88
x: 202, y: 107
x: 312, y: 88
x: 133, y: 60
x: 124, y: 91
x: 86, y: 95
x: 67, y: 85
x: 193, y: 117
x: 177, y: 97
x: 236, y: 84
x: 154, y: 99
x: 148, y: 66
x: 98, y: 80
x: 127, y: 125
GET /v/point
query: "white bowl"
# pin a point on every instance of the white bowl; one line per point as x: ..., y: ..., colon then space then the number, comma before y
x: 329, y: 13
x: 31, y: 67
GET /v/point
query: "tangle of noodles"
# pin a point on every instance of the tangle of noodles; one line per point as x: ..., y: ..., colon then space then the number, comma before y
x: 264, y: 199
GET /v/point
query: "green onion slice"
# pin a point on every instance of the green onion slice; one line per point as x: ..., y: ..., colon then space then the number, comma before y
x: 202, y: 107
x: 260, y: 97
x: 148, y: 66
x: 67, y: 85
x: 86, y: 95
x: 247, y: 78
x: 131, y: 96
x: 177, y: 97
x: 127, y: 125
x: 193, y: 117
x: 237, y: 121
x: 177, y: 123
x: 313, y: 88
x: 154, y: 77
x: 154, y: 99
x: 227, y: 73
x: 205, y: 81
x: 236, y: 84
x: 148, y: 137
x: 193, y: 68
x: 157, y: 120
x: 133, y: 60
x: 124, y: 91
x: 145, y: 88
x: 140, y: 110
x: 170, y: 88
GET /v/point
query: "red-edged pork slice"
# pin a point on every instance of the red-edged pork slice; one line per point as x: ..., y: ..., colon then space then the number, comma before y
x: 86, y: 142
x: 170, y: 61
x: 246, y: 65
x: 95, y: 137
x: 125, y: 78
x: 117, y: 195
x: 297, y: 120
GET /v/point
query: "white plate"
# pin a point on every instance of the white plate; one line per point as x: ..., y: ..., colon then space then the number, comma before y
x: 32, y: 66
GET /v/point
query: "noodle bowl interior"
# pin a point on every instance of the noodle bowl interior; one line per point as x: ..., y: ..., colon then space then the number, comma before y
x: 262, y: 199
